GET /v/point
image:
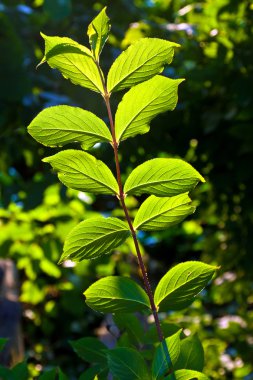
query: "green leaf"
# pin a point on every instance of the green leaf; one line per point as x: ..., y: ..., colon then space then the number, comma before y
x: 114, y: 294
x: 160, y: 213
x: 90, y: 349
x: 60, y: 125
x: 126, y: 364
x: 6, y: 374
x: 81, y: 171
x: 163, y: 177
x: 98, y: 32
x: 191, y: 354
x: 186, y: 374
x: 20, y: 371
x: 142, y: 103
x: 93, y: 238
x: 181, y: 284
x: 131, y: 324
x: 49, y: 375
x: 160, y: 362
x: 62, y: 375
x: 74, y: 61
x: 168, y: 329
x: 141, y: 61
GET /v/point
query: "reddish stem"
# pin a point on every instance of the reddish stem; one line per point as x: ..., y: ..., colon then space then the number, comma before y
x: 122, y: 201
x: 121, y: 196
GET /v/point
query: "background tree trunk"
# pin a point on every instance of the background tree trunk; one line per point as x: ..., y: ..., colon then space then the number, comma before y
x: 10, y: 315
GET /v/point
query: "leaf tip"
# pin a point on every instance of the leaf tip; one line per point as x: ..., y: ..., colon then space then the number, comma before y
x: 44, y: 36
x: 46, y: 159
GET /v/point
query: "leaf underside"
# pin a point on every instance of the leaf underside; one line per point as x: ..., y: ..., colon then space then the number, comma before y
x: 74, y: 61
x: 93, y: 238
x: 114, y: 294
x: 60, y: 125
x: 81, y: 171
x: 181, y: 284
x: 160, y: 213
x: 139, y: 62
x: 162, y: 177
x: 142, y: 103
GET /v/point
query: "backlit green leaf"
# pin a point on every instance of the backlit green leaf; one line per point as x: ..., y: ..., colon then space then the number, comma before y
x: 181, y: 284
x: 142, y: 103
x: 127, y: 364
x: 159, y: 213
x: 163, y: 177
x: 59, y: 125
x: 141, y: 61
x: 74, y: 61
x: 186, y: 374
x: 191, y: 354
x: 93, y: 238
x: 81, y: 171
x: 90, y: 349
x: 98, y: 32
x: 115, y: 294
x: 161, y: 359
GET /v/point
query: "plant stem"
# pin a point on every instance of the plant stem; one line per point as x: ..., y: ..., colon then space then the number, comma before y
x: 122, y: 201
x: 121, y: 196
x: 133, y: 232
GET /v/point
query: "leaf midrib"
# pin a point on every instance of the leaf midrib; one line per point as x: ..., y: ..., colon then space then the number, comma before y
x: 76, y: 130
x: 159, y: 182
x: 123, y: 299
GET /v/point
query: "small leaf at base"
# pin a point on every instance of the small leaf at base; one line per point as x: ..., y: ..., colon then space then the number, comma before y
x: 98, y: 32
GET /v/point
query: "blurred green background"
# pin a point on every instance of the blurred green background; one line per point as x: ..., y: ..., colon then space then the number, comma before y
x: 212, y: 128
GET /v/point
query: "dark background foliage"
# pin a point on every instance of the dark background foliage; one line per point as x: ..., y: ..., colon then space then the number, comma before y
x: 210, y: 128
